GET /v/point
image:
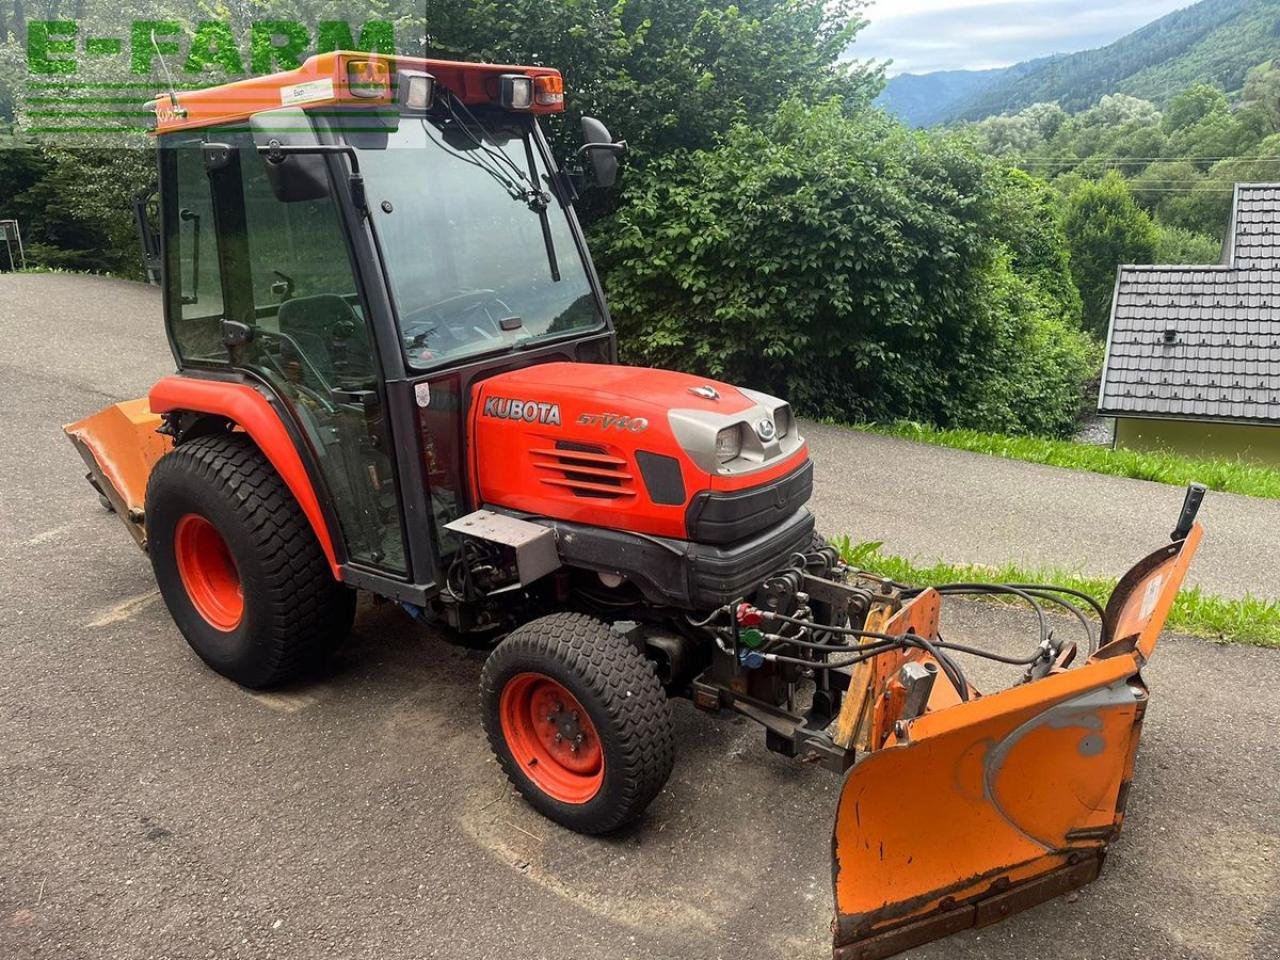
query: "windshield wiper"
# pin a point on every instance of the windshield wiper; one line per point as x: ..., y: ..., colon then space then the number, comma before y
x: 539, y: 206
x: 537, y: 199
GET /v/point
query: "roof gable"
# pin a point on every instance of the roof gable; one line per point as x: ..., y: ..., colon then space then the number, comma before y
x: 1255, y: 227
x: 1203, y: 342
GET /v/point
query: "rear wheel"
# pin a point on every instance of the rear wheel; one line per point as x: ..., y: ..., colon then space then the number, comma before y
x: 238, y: 564
x: 578, y: 721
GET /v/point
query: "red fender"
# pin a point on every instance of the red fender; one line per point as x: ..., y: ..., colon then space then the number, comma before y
x: 250, y: 411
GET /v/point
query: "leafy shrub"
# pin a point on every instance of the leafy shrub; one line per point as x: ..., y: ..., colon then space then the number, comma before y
x: 75, y: 205
x: 1178, y: 246
x: 1105, y: 228
x: 863, y: 271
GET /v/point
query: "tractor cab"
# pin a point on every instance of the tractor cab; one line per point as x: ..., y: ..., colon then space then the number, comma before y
x: 386, y: 251
x: 362, y: 240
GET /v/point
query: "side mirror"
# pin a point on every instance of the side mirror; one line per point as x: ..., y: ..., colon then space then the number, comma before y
x: 296, y: 176
x: 599, y: 145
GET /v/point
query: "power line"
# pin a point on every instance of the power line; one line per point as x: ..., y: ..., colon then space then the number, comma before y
x: 1123, y: 161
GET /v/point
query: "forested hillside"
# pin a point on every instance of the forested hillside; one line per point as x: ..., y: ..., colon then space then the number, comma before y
x: 1150, y: 185
x: 1215, y: 41
x: 922, y: 100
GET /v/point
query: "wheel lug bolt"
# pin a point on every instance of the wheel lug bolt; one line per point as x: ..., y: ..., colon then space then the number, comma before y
x: 559, y: 737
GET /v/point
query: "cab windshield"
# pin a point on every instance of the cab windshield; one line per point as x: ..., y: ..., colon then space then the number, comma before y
x: 478, y: 251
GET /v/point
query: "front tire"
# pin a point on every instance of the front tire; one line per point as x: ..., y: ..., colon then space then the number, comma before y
x: 579, y: 722
x: 238, y: 564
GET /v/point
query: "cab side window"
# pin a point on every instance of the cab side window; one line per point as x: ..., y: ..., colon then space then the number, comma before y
x: 191, y: 251
x: 304, y: 297
x: 294, y: 273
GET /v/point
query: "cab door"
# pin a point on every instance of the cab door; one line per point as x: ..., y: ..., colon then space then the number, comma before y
x: 286, y: 306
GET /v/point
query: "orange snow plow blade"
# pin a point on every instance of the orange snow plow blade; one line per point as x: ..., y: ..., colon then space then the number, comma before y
x: 972, y: 812
x: 120, y: 445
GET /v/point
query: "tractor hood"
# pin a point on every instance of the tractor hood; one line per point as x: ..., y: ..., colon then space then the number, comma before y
x: 626, y: 447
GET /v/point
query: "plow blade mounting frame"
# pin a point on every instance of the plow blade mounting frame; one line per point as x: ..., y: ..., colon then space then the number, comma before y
x: 973, y: 812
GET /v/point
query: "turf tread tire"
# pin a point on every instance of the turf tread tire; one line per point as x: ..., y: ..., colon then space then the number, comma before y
x: 296, y: 613
x: 621, y: 692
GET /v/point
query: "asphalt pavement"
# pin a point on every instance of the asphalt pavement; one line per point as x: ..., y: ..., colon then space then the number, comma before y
x: 931, y: 503
x: 151, y: 809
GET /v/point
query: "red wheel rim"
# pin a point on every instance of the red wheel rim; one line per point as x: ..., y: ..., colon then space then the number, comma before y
x: 208, y: 572
x: 551, y: 738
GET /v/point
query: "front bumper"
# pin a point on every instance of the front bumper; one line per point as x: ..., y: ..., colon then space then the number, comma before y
x: 680, y: 573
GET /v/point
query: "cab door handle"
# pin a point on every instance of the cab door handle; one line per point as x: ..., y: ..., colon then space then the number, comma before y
x: 366, y: 398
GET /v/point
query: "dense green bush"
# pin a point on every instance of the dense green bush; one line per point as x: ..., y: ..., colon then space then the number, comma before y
x: 75, y: 206
x: 861, y: 270
x: 1178, y: 246
x: 1105, y: 228
x: 666, y: 74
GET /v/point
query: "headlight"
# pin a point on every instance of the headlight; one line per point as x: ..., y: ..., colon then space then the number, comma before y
x: 783, y: 421
x: 729, y: 443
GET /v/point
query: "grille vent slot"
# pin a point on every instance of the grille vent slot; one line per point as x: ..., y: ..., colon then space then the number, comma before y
x: 585, y: 470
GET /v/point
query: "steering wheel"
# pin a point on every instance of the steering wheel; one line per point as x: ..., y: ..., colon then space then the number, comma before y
x: 458, y: 321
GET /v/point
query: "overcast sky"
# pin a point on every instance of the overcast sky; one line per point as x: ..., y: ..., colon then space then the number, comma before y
x: 925, y: 35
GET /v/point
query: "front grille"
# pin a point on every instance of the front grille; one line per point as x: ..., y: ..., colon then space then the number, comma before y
x: 585, y: 470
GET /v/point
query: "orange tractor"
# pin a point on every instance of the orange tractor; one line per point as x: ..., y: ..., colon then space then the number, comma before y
x: 397, y: 373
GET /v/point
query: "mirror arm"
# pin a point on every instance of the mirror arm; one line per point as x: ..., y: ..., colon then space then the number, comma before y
x: 620, y: 148
x: 276, y: 152
x: 565, y: 186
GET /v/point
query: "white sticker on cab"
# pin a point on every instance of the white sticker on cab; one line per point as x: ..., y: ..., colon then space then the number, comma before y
x: 307, y: 92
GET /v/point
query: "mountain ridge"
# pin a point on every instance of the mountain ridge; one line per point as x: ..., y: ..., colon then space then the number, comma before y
x: 1213, y: 41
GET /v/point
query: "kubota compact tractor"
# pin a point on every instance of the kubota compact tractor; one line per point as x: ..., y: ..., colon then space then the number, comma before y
x: 396, y: 373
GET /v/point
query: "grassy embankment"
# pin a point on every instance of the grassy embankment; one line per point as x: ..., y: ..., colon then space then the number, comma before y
x: 1227, y: 476
x: 1251, y: 621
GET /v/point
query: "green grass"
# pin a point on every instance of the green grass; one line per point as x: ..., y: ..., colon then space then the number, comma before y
x: 63, y: 271
x: 1250, y: 621
x: 1228, y: 476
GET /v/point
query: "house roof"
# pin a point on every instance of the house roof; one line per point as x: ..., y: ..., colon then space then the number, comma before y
x: 1203, y: 343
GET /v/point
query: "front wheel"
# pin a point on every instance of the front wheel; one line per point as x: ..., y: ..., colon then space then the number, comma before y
x: 579, y: 722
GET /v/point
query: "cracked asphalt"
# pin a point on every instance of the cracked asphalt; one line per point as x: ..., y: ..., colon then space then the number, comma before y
x: 151, y: 809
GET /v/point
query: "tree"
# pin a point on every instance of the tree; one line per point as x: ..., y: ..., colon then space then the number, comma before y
x: 1178, y: 246
x: 667, y: 74
x: 863, y: 271
x: 1163, y: 179
x: 1105, y: 228
x: 1194, y: 105
x: 1026, y: 219
x: 1262, y: 90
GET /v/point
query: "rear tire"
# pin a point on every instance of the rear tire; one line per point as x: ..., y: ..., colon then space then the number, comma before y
x: 569, y: 674
x: 238, y: 564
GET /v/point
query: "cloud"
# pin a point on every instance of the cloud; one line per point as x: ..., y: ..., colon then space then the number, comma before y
x: 920, y: 36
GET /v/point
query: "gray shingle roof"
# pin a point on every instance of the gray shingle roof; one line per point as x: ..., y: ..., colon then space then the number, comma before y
x: 1203, y: 342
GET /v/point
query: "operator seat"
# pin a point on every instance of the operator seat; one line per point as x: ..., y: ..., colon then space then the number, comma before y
x: 331, y: 336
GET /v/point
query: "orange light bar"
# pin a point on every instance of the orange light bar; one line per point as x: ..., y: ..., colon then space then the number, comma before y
x: 338, y: 77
